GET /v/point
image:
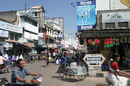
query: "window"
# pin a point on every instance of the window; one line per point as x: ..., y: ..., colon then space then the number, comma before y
x: 35, y: 13
x: 16, y: 37
x: 123, y: 24
x: 110, y: 25
x: 11, y: 36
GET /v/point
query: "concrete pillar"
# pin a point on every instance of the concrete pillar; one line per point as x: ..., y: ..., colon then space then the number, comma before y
x: 128, y: 24
x: 103, y: 26
x: 116, y: 25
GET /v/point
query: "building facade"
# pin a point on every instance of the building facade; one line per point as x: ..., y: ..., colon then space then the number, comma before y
x: 112, y: 35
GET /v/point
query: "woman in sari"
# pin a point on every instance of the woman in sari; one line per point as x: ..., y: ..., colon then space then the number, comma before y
x: 114, y: 73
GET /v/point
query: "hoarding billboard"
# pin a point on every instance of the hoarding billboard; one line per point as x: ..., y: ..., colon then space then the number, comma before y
x: 116, y: 17
x: 86, y: 17
x: 58, y: 21
x: 119, y: 4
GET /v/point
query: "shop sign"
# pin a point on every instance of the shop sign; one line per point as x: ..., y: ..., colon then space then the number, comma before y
x: 115, y: 17
x: 10, y: 27
x: 94, y: 59
x: 7, y: 45
x: 30, y: 36
x: 4, y: 33
x: 86, y: 16
x: 40, y: 41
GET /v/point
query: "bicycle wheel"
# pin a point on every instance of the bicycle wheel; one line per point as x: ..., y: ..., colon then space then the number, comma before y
x: 81, y: 77
x: 61, y: 71
x: 70, y: 74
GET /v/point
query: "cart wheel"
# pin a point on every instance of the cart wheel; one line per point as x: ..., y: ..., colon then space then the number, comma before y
x: 81, y: 77
x: 61, y: 71
x: 70, y: 74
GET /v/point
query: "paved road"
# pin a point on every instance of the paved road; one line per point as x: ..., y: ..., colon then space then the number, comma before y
x: 51, y: 78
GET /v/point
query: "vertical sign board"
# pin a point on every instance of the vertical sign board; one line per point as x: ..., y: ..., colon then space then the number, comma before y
x: 86, y: 16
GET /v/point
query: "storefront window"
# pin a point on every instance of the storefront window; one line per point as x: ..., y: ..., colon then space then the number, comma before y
x: 16, y: 37
x: 123, y: 24
x: 110, y: 25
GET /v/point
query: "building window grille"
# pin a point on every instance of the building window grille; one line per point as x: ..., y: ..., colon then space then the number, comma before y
x: 110, y: 25
x: 11, y: 36
x: 123, y: 24
x: 16, y: 37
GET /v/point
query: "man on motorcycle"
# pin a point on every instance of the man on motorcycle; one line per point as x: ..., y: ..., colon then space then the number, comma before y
x: 2, y: 59
x: 19, y: 74
x: 114, y: 72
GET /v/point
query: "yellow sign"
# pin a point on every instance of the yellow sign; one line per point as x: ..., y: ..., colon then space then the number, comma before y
x: 126, y: 2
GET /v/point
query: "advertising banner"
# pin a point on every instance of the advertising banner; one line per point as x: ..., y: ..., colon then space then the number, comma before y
x: 40, y: 41
x: 86, y: 16
x: 10, y: 27
x: 4, y: 33
x: 116, y: 16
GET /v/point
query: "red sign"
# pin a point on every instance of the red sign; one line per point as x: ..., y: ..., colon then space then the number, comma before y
x: 44, y: 36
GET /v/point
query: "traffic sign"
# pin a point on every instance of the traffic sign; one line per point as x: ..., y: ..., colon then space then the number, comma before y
x: 94, y: 59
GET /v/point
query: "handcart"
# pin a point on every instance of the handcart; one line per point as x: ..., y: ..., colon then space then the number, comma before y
x: 72, y: 72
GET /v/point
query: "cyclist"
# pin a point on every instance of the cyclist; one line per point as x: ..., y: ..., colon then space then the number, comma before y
x: 64, y: 60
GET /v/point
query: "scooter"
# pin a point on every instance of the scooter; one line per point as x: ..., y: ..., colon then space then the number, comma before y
x: 36, y: 81
x: 110, y: 84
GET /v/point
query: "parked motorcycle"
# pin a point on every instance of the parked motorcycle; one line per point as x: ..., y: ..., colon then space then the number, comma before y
x: 36, y: 81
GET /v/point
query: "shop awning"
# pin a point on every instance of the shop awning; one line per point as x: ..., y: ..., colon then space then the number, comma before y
x: 25, y: 44
x: 29, y: 45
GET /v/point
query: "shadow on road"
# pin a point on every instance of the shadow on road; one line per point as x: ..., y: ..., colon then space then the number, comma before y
x: 70, y: 80
x: 55, y: 77
x: 65, y: 79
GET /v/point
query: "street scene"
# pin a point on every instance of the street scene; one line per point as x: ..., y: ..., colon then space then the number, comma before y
x: 51, y: 77
x: 65, y: 42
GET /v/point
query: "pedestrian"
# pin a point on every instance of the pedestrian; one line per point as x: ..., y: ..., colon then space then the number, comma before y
x: 21, y: 56
x: 47, y: 59
x: 2, y: 60
x: 5, y: 55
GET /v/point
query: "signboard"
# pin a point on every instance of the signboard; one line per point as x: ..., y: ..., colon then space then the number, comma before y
x: 94, y: 59
x: 4, y: 33
x: 10, y: 27
x: 40, y: 41
x: 57, y: 22
x: 86, y: 16
x: 94, y: 62
x: 116, y: 17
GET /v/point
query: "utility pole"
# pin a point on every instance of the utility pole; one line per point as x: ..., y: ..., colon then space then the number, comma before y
x: 25, y: 5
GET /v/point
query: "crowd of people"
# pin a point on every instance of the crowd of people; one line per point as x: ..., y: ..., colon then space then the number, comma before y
x: 64, y: 59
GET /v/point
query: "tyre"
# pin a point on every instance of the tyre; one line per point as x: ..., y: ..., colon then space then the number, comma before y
x: 70, y: 74
x: 61, y: 71
x: 3, y: 82
x: 81, y: 77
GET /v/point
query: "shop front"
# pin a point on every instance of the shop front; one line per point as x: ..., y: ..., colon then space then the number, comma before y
x: 108, y: 42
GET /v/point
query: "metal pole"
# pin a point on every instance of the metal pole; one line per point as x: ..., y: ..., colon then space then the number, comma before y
x: 25, y: 4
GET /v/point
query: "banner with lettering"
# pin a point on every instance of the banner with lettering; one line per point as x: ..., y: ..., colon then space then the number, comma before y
x: 86, y: 16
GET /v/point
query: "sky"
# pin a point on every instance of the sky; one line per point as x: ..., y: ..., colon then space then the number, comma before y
x: 53, y: 8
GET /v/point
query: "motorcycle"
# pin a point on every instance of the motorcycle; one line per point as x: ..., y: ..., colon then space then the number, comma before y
x: 36, y: 81
x: 4, y: 67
